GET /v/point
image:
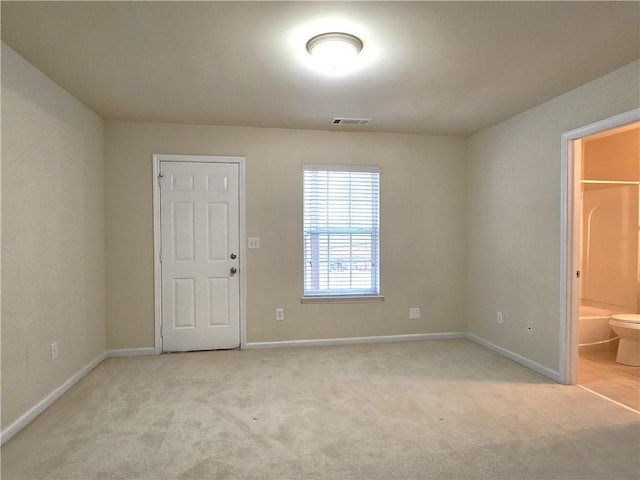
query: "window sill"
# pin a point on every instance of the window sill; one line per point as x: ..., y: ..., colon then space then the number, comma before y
x: 343, y: 299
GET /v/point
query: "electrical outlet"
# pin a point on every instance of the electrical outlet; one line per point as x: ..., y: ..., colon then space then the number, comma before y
x: 279, y: 313
x: 54, y: 350
x: 499, y: 318
x: 414, y: 313
x: 529, y: 328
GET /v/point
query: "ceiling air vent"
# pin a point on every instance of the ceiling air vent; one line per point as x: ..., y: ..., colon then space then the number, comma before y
x: 350, y: 121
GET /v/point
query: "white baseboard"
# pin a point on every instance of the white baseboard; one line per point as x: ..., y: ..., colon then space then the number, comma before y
x: 536, y: 367
x: 412, y: 337
x: 42, y: 405
x: 130, y: 352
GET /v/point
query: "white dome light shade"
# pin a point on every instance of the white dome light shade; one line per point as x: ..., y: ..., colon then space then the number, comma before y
x: 335, y: 49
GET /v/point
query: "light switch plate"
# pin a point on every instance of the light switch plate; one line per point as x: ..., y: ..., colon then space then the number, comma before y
x: 254, y: 242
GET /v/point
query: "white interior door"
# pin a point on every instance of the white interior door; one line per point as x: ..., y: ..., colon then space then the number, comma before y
x: 199, y: 214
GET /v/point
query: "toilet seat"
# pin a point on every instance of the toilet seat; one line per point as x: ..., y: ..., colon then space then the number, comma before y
x: 633, y: 318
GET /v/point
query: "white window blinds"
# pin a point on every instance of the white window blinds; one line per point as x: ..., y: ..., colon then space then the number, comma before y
x: 341, y: 230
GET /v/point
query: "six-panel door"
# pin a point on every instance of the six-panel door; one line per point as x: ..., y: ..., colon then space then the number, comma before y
x: 199, y: 211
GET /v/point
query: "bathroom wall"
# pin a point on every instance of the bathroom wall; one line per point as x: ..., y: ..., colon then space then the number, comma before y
x: 613, y: 155
x: 609, y: 250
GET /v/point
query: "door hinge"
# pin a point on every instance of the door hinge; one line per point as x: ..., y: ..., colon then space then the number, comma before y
x: 160, y: 178
x: 161, y: 331
x: 160, y: 256
x: 578, y: 274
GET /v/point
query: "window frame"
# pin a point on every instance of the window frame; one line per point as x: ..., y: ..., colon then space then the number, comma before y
x: 331, y: 295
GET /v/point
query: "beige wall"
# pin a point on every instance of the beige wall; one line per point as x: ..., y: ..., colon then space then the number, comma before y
x: 613, y: 157
x: 423, y: 224
x: 53, y: 275
x: 514, y: 215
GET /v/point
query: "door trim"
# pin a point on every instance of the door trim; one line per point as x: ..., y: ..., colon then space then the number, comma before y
x: 569, y: 263
x: 157, y: 272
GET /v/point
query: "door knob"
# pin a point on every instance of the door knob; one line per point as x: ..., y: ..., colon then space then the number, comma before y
x: 233, y: 270
x: 233, y: 256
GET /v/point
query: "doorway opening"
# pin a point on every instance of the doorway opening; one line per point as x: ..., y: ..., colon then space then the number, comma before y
x: 601, y: 271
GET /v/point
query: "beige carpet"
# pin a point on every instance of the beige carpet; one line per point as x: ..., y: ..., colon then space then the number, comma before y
x: 438, y: 409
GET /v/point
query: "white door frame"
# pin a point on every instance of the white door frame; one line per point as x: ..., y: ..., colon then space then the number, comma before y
x: 157, y: 272
x: 569, y: 261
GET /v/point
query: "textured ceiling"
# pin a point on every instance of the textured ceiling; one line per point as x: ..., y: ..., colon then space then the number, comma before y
x: 427, y: 67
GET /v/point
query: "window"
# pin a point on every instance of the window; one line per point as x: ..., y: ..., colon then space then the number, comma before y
x: 341, y: 230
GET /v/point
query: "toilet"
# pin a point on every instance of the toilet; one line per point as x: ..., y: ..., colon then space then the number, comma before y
x: 627, y: 327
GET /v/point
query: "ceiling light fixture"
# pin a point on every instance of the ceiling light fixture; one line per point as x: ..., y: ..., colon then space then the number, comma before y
x: 334, y: 49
